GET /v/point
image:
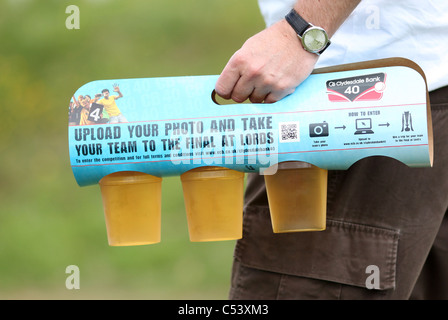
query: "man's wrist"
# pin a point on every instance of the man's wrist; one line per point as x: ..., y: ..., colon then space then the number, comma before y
x: 327, y: 14
x: 291, y: 35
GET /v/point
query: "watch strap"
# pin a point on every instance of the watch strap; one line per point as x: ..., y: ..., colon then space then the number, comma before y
x: 297, y: 22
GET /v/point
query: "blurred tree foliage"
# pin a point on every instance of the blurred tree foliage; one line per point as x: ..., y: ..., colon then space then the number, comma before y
x: 42, y: 62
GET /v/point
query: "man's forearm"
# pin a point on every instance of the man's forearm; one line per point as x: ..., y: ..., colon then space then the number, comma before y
x: 327, y: 14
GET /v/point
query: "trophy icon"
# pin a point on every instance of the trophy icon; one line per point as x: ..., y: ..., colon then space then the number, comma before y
x: 406, y: 122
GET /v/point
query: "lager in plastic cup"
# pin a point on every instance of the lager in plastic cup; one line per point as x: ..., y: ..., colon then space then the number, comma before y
x: 132, y: 208
x: 297, y: 195
x: 214, y: 203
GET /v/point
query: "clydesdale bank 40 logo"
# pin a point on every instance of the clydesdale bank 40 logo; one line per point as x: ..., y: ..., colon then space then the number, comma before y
x: 360, y: 88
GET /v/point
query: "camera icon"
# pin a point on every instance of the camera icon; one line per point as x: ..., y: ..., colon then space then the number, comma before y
x: 319, y: 129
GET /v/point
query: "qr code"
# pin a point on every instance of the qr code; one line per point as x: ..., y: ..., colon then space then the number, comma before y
x: 289, y: 131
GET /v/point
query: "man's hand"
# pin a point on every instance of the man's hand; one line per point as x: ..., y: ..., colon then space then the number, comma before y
x: 272, y: 63
x: 268, y: 67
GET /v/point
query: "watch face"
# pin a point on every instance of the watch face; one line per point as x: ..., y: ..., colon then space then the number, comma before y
x: 314, y: 39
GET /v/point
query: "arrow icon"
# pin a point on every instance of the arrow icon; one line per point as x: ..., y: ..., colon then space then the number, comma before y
x: 343, y: 127
x: 384, y: 124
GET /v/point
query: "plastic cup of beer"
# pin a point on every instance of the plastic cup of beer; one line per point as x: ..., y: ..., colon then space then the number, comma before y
x: 214, y: 203
x: 132, y: 208
x: 297, y: 196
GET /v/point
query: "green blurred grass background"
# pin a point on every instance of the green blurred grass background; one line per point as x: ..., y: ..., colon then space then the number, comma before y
x: 47, y: 221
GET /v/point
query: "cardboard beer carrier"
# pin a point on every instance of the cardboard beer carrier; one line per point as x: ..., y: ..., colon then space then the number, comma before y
x: 174, y: 126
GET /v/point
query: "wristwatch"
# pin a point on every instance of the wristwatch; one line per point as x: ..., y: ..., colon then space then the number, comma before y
x: 314, y: 39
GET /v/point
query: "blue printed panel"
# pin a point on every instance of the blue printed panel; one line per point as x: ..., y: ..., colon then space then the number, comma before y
x: 166, y: 126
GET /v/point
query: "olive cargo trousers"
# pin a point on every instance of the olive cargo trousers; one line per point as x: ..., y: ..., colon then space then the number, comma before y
x: 384, y: 220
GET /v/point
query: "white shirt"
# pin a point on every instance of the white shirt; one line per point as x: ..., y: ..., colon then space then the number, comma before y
x: 413, y: 29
